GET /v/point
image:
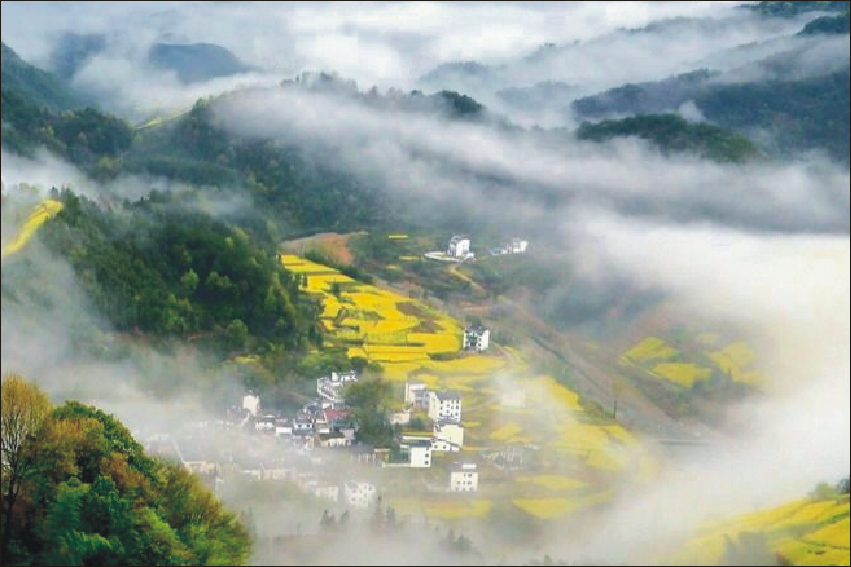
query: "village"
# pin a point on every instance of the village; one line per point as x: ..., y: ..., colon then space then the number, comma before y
x: 317, y: 447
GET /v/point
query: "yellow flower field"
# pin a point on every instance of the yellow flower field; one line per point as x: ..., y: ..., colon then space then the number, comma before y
x: 835, y: 534
x: 685, y: 374
x: 553, y: 482
x: 733, y: 359
x: 458, y: 509
x: 548, y: 508
x: 651, y: 348
x: 507, y: 431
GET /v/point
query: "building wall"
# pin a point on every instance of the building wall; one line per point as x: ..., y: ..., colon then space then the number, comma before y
x: 420, y: 457
x: 439, y: 410
x: 450, y: 432
x: 464, y: 481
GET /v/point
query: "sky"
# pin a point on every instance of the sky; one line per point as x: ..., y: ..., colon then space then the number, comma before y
x: 761, y: 247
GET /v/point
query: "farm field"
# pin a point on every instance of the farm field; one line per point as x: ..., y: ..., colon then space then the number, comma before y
x: 805, y: 532
x: 661, y: 361
x: 581, y: 457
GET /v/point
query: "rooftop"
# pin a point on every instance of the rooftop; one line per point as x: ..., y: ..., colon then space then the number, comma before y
x: 448, y: 395
x: 468, y: 466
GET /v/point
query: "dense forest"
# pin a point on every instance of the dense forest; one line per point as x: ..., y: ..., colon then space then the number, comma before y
x: 77, y: 489
x: 35, y: 85
x: 164, y: 269
x: 803, y: 114
x: 672, y: 133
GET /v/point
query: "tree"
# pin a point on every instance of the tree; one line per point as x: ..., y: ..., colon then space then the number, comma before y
x: 24, y: 411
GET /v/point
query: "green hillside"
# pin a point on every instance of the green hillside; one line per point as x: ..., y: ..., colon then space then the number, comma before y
x: 673, y: 134
x: 38, y: 87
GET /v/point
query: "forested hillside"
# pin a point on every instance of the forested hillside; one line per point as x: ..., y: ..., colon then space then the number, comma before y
x: 38, y: 87
x: 167, y: 270
x: 78, y: 489
x: 672, y: 133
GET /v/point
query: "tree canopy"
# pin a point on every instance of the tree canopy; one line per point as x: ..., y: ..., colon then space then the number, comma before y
x: 94, y: 498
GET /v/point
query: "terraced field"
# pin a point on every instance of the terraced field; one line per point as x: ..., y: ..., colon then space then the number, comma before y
x: 805, y: 532
x: 581, y: 457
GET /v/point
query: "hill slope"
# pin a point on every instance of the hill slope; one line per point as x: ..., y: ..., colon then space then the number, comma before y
x: 38, y: 87
x: 672, y: 133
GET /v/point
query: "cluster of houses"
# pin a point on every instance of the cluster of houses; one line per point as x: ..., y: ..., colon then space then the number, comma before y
x: 458, y: 249
x: 447, y: 435
x: 325, y: 422
x: 516, y: 246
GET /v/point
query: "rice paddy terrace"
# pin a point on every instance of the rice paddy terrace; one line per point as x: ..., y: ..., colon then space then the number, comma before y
x: 578, y: 458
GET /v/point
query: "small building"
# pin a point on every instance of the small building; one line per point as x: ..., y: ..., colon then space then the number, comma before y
x: 251, y: 403
x: 359, y: 494
x: 264, y: 422
x: 443, y: 445
x: 419, y: 453
x: 416, y: 395
x: 459, y: 247
x: 444, y: 406
x: 450, y: 431
x: 283, y: 427
x: 464, y: 477
x: 476, y: 338
x: 402, y: 417
x: 517, y: 246
x: 332, y: 440
x: 330, y: 388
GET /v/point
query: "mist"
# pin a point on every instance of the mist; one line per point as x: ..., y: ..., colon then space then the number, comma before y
x: 761, y: 247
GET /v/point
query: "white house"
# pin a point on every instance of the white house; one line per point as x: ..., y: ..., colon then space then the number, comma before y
x: 402, y: 417
x: 359, y: 494
x: 416, y: 394
x: 444, y: 406
x: 419, y: 453
x: 443, y: 445
x: 330, y: 388
x: 449, y: 431
x: 332, y: 440
x: 476, y: 338
x: 283, y: 427
x: 518, y: 246
x: 459, y: 247
x: 251, y: 403
x: 464, y: 477
x: 264, y: 423
x: 327, y: 491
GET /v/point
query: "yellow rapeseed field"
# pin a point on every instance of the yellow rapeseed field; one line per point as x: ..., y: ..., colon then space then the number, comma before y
x: 507, y: 431
x: 651, y: 348
x: 733, y: 359
x: 547, y: 508
x: 458, y: 509
x: 684, y: 374
x: 554, y: 482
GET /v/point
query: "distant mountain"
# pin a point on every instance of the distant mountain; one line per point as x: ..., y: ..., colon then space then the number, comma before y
x: 784, y: 116
x: 672, y: 133
x: 829, y: 24
x: 38, y: 87
x: 193, y: 62
x: 196, y: 62
x: 73, y: 50
x: 540, y: 94
x: 789, y: 9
